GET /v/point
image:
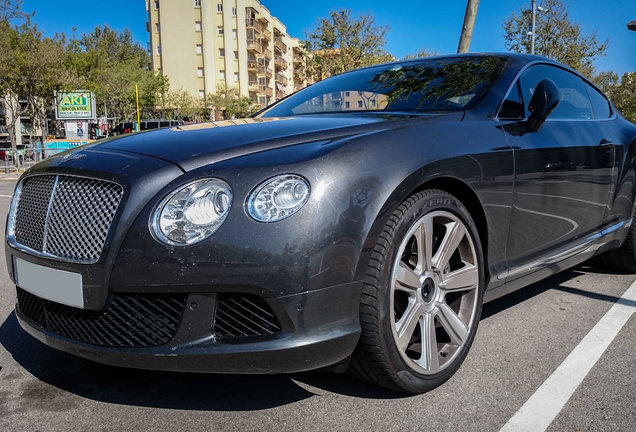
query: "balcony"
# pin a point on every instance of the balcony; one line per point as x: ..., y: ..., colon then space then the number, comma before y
x: 265, y: 34
x: 280, y: 63
x: 297, y: 57
x: 280, y: 45
x: 254, y: 46
x: 252, y: 66
x: 266, y: 90
x: 267, y: 53
x: 280, y: 94
x: 281, y: 79
x: 253, y: 87
x: 264, y: 70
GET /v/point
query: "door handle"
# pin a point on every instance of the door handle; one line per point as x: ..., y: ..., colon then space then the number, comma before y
x: 605, y: 143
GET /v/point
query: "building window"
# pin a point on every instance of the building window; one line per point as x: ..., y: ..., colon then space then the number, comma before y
x: 199, y: 49
x: 202, y: 94
x: 234, y: 33
x: 158, y: 49
x: 197, y: 25
x: 347, y: 104
x: 158, y: 27
x: 359, y: 104
x: 262, y: 100
x: 156, y: 5
x: 222, y: 74
x: 373, y: 102
x: 221, y: 52
x: 197, y: 3
x: 220, y: 30
x: 235, y: 55
x: 219, y: 7
x: 200, y: 72
x: 233, y: 11
x: 347, y: 94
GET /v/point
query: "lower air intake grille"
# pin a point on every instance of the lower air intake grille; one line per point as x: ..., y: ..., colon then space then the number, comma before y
x: 131, y: 320
x: 240, y: 315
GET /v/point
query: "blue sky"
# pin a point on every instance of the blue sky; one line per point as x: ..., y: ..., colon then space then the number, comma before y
x: 434, y: 25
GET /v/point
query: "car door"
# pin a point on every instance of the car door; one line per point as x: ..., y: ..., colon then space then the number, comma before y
x: 563, y: 171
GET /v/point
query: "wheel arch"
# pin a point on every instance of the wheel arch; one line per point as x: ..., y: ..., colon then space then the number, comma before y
x: 452, y: 185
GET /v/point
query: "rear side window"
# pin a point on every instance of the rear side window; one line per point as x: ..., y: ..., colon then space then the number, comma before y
x: 575, y: 103
x: 600, y: 105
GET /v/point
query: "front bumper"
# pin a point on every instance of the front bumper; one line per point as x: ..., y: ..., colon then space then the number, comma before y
x: 317, y: 329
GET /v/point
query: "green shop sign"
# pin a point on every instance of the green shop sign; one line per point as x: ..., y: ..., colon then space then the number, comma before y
x: 77, y: 104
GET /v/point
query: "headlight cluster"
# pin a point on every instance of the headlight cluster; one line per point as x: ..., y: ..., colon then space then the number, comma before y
x: 193, y: 212
x: 196, y: 210
x: 278, y: 198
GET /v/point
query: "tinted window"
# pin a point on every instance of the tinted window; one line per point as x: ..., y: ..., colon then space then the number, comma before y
x: 439, y: 84
x: 512, y: 108
x: 574, y: 104
x: 600, y: 105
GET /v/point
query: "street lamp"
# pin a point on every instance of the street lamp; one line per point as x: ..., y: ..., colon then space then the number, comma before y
x: 535, y: 8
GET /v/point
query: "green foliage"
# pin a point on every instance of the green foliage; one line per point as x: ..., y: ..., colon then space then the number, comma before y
x: 111, y: 64
x: 340, y: 43
x: 181, y: 105
x: 11, y: 10
x: 421, y: 54
x: 230, y: 103
x: 31, y: 68
x: 623, y: 95
x: 556, y: 37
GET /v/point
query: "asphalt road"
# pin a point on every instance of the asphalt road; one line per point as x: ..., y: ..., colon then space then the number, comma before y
x: 522, y: 339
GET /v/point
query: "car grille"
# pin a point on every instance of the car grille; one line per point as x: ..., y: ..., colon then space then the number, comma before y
x: 131, y: 320
x: 64, y: 217
x: 239, y: 315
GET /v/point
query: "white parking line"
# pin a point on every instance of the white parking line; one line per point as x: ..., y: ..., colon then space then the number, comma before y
x: 5, y: 196
x: 546, y: 403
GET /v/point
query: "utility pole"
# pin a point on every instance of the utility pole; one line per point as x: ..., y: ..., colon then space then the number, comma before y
x: 467, y: 28
x: 534, y: 24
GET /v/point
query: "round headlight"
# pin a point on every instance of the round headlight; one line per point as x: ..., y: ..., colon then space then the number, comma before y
x: 278, y: 198
x: 193, y: 212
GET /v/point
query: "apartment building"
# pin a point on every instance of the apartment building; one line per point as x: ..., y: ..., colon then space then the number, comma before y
x: 203, y: 44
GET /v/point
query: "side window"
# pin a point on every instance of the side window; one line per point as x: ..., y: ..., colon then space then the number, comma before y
x: 512, y: 107
x: 600, y: 105
x: 575, y: 103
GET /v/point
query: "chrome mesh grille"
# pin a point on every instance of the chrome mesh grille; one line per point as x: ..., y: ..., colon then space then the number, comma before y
x: 65, y: 217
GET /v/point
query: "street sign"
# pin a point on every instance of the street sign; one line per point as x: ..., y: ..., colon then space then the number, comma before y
x: 78, y: 104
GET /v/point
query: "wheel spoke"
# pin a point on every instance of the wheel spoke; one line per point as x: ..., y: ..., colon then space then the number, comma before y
x: 464, y: 279
x: 406, y: 279
x: 453, y: 325
x: 455, y: 233
x: 424, y: 236
x: 430, y: 354
x: 407, y: 324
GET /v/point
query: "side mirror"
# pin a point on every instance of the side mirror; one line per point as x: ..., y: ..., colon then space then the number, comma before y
x: 545, y: 99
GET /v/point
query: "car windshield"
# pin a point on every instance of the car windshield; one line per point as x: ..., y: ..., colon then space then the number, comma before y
x: 438, y: 84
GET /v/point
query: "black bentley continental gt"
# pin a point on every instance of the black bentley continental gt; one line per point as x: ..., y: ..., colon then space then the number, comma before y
x: 359, y: 223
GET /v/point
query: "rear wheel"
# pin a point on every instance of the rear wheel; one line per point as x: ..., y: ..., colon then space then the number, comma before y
x: 623, y: 258
x: 422, y: 295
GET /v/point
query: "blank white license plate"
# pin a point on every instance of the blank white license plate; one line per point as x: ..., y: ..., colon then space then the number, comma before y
x: 48, y: 283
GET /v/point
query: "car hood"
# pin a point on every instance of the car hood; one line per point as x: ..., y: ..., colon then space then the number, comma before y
x: 196, y: 145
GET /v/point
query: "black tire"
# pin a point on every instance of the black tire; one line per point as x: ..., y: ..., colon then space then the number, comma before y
x: 400, y: 287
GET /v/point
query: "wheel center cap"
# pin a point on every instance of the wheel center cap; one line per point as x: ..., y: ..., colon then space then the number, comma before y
x: 428, y: 290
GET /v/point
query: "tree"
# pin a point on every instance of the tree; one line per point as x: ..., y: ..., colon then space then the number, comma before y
x: 11, y: 10
x: 31, y: 68
x: 111, y: 64
x: 556, y: 37
x: 623, y: 95
x: 181, y: 105
x: 421, y: 54
x: 340, y: 43
x: 229, y: 103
